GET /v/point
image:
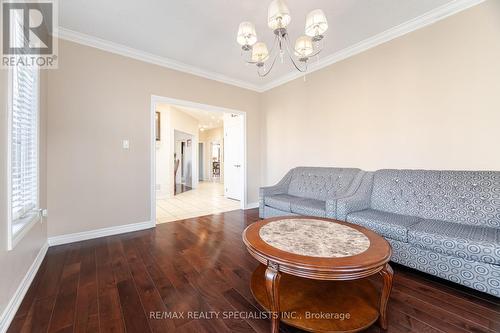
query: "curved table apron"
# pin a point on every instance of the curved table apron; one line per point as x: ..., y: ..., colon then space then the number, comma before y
x: 339, y: 256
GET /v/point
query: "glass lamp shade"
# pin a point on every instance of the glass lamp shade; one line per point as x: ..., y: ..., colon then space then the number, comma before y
x: 246, y: 34
x: 259, y: 52
x: 304, y: 47
x: 316, y: 23
x: 278, y: 15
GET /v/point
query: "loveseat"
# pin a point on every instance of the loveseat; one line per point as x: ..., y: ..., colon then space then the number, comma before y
x: 312, y: 191
x: 445, y: 223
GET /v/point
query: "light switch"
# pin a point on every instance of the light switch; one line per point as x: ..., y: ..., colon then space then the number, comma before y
x: 126, y: 144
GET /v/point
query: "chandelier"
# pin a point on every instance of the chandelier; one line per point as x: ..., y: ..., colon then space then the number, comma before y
x: 278, y: 18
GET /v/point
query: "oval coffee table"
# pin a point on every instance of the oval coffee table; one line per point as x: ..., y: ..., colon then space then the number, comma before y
x: 313, y: 273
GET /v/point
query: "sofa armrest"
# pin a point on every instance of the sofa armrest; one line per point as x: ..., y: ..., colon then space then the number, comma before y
x: 360, y: 200
x: 280, y: 188
x: 331, y: 204
x: 271, y: 190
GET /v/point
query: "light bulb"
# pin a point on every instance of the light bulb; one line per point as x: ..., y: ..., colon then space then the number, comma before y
x: 316, y: 24
x: 304, y: 47
x: 278, y: 15
x: 246, y: 34
x: 259, y: 52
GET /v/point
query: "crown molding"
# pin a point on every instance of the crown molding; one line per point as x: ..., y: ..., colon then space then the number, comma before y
x: 383, y: 37
x: 424, y: 20
x: 105, y: 45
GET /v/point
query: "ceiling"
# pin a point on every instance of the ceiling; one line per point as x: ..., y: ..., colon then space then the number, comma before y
x: 207, y: 119
x: 201, y: 34
x: 181, y: 136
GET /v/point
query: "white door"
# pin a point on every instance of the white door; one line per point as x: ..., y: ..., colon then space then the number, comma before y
x: 233, y: 156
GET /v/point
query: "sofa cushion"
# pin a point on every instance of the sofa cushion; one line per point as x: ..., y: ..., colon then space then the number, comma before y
x: 324, y: 183
x: 280, y: 201
x: 400, y: 191
x: 390, y: 225
x: 273, y: 212
x: 460, y: 240
x: 309, y: 207
x: 467, y: 197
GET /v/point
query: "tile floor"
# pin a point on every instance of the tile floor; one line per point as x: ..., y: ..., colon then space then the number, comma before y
x: 207, y: 199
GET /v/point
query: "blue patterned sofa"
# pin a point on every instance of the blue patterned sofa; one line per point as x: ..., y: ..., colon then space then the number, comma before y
x: 309, y: 191
x: 445, y: 223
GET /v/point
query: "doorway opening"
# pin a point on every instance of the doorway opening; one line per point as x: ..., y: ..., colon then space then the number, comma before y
x: 183, y: 162
x: 199, y: 159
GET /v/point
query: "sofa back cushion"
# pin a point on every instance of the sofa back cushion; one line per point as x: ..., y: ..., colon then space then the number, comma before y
x: 323, y: 183
x: 468, y: 197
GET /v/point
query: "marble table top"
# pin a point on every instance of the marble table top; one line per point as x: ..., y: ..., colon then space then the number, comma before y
x: 314, y: 238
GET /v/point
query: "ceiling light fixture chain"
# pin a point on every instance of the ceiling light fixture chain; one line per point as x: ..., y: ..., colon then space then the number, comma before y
x: 278, y: 18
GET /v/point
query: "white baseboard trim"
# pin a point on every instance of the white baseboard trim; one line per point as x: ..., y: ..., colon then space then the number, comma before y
x: 14, y: 303
x: 91, y: 234
x: 252, y: 205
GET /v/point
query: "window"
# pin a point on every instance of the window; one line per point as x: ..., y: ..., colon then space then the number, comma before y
x: 23, y: 148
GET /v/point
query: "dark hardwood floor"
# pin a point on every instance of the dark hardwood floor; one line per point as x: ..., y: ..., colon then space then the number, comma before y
x: 115, y: 284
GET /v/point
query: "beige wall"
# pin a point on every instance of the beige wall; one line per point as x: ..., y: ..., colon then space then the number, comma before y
x: 97, y: 99
x: 430, y: 99
x: 15, y: 263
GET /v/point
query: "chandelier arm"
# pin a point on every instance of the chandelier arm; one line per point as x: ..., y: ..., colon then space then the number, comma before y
x: 297, y: 66
x: 318, y: 49
x: 287, y: 45
x: 275, y: 44
x: 273, y: 48
x: 315, y: 53
x: 270, y: 68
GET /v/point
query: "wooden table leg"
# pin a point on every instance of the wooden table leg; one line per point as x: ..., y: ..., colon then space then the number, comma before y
x: 387, y: 274
x: 273, y: 277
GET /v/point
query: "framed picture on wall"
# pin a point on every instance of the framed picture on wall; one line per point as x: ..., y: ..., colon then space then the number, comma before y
x: 157, y: 125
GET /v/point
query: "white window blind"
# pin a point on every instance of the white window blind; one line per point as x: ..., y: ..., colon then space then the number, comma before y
x: 23, y: 141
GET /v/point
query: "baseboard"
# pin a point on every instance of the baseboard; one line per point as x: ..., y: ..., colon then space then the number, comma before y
x: 14, y: 303
x: 252, y: 205
x: 91, y: 234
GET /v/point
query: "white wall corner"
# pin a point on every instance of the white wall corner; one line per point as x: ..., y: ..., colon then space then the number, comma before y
x: 14, y: 303
x: 91, y: 234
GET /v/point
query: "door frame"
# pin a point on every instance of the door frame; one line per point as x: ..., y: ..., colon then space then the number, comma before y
x: 201, y: 165
x: 155, y: 99
x: 235, y: 126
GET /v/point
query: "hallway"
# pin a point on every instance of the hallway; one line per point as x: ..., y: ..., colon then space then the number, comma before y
x: 207, y: 199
